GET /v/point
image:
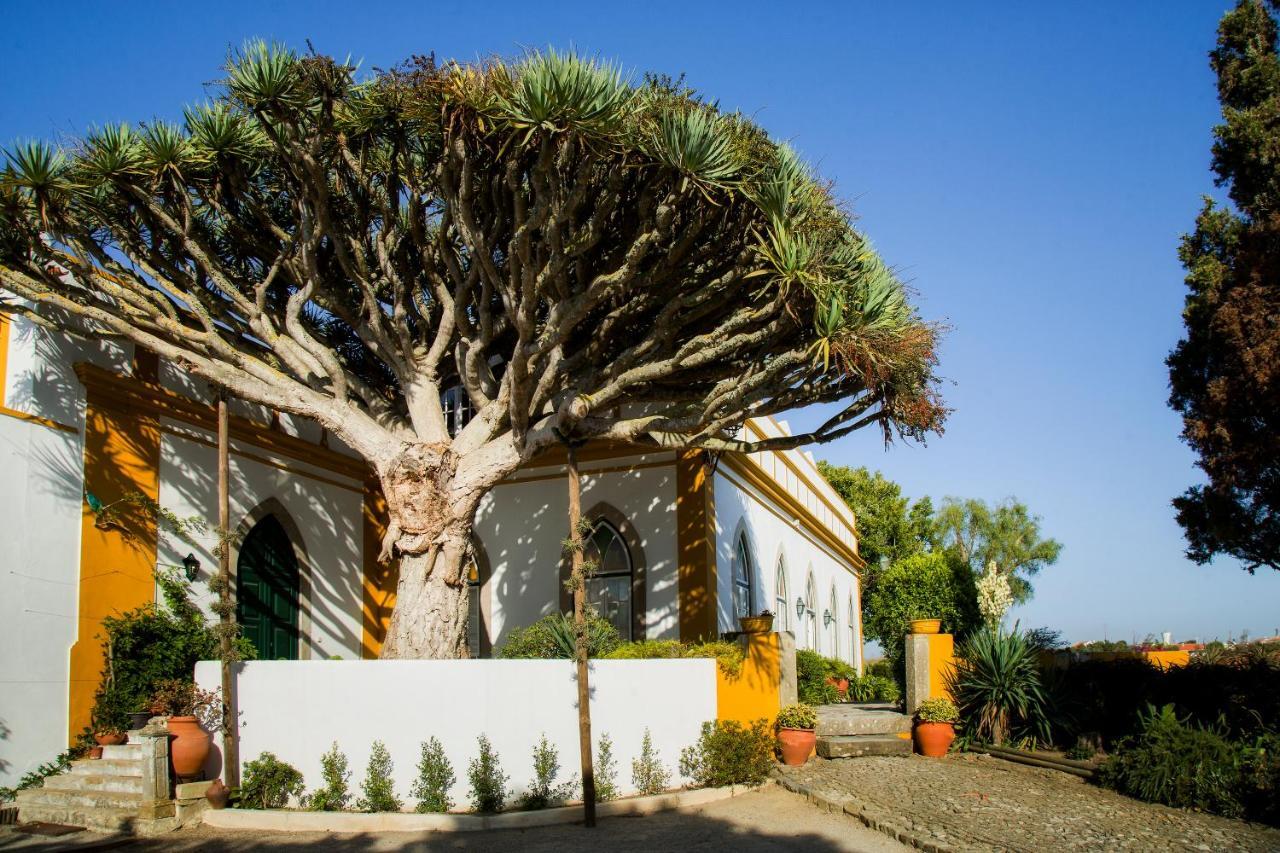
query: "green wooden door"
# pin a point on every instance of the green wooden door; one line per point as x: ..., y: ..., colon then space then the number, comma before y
x: 267, y: 591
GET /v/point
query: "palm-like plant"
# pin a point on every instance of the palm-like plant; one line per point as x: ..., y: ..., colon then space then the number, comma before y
x: 997, y: 686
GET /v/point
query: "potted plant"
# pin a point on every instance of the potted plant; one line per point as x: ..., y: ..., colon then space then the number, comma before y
x: 192, y: 713
x: 796, y: 735
x: 935, y: 726
x: 109, y: 736
x: 926, y: 626
x: 761, y: 623
x: 838, y: 675
x: 139, y: 719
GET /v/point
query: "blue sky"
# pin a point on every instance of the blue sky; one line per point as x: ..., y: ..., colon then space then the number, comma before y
x: 1028, y: 166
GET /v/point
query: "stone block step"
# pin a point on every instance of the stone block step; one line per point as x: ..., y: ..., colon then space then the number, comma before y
x: 99, y: 819
x: 52, y: 797
x: 857, y: 746
x: 848, y: 720
x: 91, y: 782
x: 129, y: 751
x: 107, y: 767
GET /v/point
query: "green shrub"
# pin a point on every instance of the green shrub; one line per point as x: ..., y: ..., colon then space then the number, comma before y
x: 648, y: 650
x: 544, y: 792
x: 728, y: 753
x: 268, y: 783
x: 647, y: 773
x: 873, y: 688
x: 928, y: 585
x: 435, y: 778
x: 333, y: 795
x: 882, y: 667
x: 151, y: 644
x: 378, y: 788
x: 799, y: 716
x: 488, y: 782
x: 1180, y: 764
x: 606, y: 770
x: 552, y: 637
x: 937, y: 710
x: 728, y: 655
x: 997, y: 685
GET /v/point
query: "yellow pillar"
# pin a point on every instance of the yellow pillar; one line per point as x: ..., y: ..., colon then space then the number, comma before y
x: 696, y: 546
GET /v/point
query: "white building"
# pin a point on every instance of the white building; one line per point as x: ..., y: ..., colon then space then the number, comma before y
x: 687, y: 541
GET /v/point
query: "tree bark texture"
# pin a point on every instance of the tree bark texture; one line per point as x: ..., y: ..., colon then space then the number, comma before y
x: 230, y: 733
x: 580, y: 636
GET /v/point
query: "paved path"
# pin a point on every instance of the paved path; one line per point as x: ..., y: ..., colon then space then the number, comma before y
x: 977, y: 802
x: 758, y: 822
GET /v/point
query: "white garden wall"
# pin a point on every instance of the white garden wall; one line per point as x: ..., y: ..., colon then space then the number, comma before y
x: 298, y: 709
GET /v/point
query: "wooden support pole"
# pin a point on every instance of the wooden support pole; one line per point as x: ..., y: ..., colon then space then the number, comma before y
x: 580, y: 636
x: 230, y: 730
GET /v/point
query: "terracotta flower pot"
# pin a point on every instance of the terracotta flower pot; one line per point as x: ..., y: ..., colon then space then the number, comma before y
x: 217, y: 794
x: 796, y: 745
x: 95, y: 752
x: 755, y: 624
x: 188, y: 746
x: 840, y: 684
x: 934, y: 739
x: 926, y: 626
x: 110, y: 738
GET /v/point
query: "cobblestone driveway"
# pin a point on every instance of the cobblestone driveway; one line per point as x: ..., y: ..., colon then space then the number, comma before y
x: 976, y: 802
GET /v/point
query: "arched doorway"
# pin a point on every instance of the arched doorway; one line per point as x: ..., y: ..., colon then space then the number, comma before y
x: 267, y: 591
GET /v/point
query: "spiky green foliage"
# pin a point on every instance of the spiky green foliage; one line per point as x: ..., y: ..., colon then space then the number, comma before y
x: 552, y: 636
x: 997, y: 685
x: 435, y: 778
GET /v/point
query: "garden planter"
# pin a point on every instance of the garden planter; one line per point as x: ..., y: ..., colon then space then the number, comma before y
x: 796, y: 745
x: 188, y: 746
x: 95, y: 752
x: 926, y: 626
x: 217, y: 794
x: 139, y: 719
x: 840, y: 684
x: 110, y: 738
x: 755, y: 624
x: 934, y: 739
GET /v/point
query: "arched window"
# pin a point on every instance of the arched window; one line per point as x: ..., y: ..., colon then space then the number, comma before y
x: 743, y: 572
x: 609, y: 588
x: 853, y: 633
x: 810, y: 613
x: 781, y: 608
x: 833, y: 635
x: 268, y: 591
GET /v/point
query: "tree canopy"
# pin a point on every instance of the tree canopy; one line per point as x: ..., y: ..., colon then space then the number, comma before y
x: 890, y: 527
x: 566, y: 251
x: 1224, y: 375
x: 1006, y: 535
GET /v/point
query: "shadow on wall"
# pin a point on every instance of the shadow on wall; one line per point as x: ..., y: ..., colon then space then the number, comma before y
x: 5, y: 731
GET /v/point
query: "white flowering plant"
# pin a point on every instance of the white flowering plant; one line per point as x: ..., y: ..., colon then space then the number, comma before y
x: 995, y: 596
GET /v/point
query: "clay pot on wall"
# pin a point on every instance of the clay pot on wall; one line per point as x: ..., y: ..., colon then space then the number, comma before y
x: 110, y: 738
x: 926, y: 626
x: 95, y: 752
x: 934, y: 739
x: 217, y: 794
x: 796, y: 745
x: 761, y: 624
x: 188, y: 747
x: 138, y: 719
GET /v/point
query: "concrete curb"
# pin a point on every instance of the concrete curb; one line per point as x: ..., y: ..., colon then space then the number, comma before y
x: 299, y: 821
x: 871, y: 818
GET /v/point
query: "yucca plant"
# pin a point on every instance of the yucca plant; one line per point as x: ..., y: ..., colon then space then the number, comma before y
x: 997, y: 687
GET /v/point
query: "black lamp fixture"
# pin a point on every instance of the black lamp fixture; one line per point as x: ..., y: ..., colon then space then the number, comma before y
x: 827, y: 618
x: 190, y: 566
x: 799, y: 607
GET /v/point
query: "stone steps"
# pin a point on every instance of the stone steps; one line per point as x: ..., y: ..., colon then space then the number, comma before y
x: 92, y: 782
x: 103, y: 794
x: 98, y: 799
x: 107, y: 767
x: 128, y: 751
x: 853, y: 731
x: 98, y: 818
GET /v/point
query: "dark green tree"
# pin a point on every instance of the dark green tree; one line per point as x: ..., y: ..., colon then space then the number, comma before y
x: 976, y: 534
x: 889, y: 525
x: 1224, y: 375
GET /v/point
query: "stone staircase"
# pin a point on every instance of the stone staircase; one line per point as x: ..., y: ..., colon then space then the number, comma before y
x: 852, y: 731
x: 100, y: 794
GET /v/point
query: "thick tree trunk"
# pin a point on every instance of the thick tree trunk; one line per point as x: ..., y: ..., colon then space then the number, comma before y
x: 430, y: 615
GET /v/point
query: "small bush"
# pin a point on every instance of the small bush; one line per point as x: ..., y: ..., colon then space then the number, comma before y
x: 648, y: 650
x: 800, y: 716
x: 377, y: 787
x: 488, y: 782
x: 873, y: 688
x: 333, y: 795
x: 435, y: 778
x: 997, y: 685
x: 647, y: 773
x: 606, y: 770
x: 268, y: 783
x: 812, y: 672
x: 727, y: 753
x: 552, y: 637
x: 543, y: 791
x: 1175, y: 762
x: 937, y: 710
x: 729, y: 656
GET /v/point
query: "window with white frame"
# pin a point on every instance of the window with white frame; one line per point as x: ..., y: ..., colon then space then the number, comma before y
x: 781, y: 607
x: 811, y: 614
x: 609, y: 587
x: 743, y: 572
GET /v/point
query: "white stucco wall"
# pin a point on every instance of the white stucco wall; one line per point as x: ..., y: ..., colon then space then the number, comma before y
x: 523, y: 522
x: 325, y: 517
x: 298, y: 709
x: 741, y: 509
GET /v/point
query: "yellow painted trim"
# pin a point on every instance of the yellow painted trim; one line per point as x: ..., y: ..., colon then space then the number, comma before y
x: 121, y: 455
x: 4, y: 390
x: 750, y: 472
x: 378, y: 587
x: 942, y: 659
x: 696, y: 546
x: 139, y: 397
x: 756, y: 691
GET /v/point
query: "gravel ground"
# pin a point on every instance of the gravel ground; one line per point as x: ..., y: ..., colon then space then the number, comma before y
x: 976, y: 802
x: 766, y: 821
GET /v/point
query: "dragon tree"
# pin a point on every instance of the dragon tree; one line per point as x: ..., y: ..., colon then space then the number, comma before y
x: 583, y: 254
